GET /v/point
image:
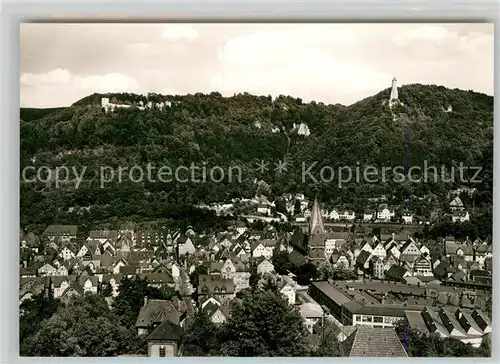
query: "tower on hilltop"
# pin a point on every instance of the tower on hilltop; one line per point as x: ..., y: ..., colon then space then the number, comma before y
x: 394, y: 90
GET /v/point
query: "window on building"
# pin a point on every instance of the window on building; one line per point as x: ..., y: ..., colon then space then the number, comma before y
x: 358, y: 318
x: 367, y: 319
x: 163, y: 352
x: 388, y: 320
x: 377, y: 319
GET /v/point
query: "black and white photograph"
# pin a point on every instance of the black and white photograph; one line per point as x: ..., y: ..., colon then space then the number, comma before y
x: 256, y: 189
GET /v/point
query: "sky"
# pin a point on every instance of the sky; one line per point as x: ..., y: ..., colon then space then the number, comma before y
x: 330, y: 63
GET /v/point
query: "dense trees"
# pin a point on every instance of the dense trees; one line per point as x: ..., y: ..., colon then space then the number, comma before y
x: 85, y: 327
x: 220, y: 131
x: 201, y: 337
x: 31, y: 314
x: 326, y: 272
x: 130, y: 299
x: 329, y: 346
x: 263, y: 324
x: 281, y: 262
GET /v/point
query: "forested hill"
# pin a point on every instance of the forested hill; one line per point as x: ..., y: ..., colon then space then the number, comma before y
x: 443, y: 126
x: 28, y: 114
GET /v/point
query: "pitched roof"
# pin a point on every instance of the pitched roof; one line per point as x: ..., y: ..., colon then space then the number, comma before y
x: 158, y: 278
x: 456, y: 202
x: 269, y: 243
x: 316, y: 226
x: 61, y: 230
x: 156, y: 311
x: 373, y: 342
x: 255, y: 245
x: 211, y: 283
x: 75, y: 287
x: 396, y: 272
x: 167, y: 331
x: 103, y: 234
x: 452, y: 247
x: 215, y: 266
x: 363, y: 257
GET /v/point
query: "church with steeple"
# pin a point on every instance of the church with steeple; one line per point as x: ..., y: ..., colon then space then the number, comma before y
x: 316, y: 236
x: 312, y: 243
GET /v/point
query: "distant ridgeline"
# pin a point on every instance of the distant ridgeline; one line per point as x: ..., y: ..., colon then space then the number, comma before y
x: 445, y: 127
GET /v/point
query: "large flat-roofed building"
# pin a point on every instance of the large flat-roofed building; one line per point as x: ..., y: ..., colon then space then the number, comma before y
x: 379, y: 304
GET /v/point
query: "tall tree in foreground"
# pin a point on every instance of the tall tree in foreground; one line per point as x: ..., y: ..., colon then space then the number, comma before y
x: 264, y: 324
x: 85, y: 327
x: 32, y: 312
x: 329, y: 346
x: 130, y: 298
x: 201, y: 336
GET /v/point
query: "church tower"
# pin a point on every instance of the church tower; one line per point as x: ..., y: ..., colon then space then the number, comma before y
x: 394, y: 90
x: 316, y: 226
x: 317, y: 236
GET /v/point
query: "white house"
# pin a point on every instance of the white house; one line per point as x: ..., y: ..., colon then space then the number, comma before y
x: 118, y: 265
x: 185, y: 245
x: 340, y: 261
x: 241, y: 227
x: 264, y: 266
x: 334, y: 215
x: 300, y: 218
x: 348, y: 215
x: 259, y: 250
x: 66, y: 253
x: 379, y: 251
x: 408, y: 218
x: 385, y: 214
x: 367, y: 216
x: 456, y: 204
x: 59, y: 289
x: 302, y: 129
x: 367, y: 247
x: 83, y: 250
x: 62, y: 271
x: 288, y: 291
x: 263, y: 209
x: 47, y: 270
x: 88, y: 286
x: 424, y: 250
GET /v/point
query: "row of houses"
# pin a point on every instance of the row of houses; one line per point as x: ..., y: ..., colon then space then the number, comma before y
x: 451, y: 312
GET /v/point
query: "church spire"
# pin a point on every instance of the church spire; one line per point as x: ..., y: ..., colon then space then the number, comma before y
x: 316, y: 226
